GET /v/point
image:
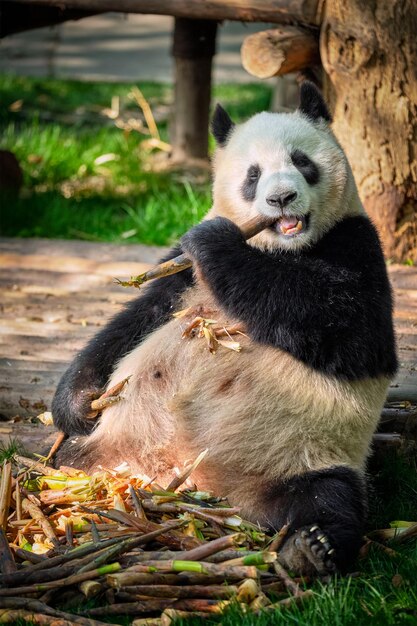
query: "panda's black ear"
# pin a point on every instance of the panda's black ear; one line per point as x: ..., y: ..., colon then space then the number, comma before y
x: 221, y: 125
x: 312, y: 103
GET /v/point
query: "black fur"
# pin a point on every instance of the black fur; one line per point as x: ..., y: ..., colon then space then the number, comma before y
x: 306, y: 166
x: 221, y: 125
x: 91, y: 368
x: 329, y: 306
x: 312, y: 103
x: 334, y: 499
x: 250, y: 183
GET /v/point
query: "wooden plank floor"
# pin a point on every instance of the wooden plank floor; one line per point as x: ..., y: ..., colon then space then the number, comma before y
x: 56, y: 294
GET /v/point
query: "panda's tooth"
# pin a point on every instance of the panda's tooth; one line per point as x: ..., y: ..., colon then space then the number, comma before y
x: 299, y: 225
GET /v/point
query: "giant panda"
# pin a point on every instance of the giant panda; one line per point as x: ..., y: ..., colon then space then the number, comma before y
x: 289, y: 419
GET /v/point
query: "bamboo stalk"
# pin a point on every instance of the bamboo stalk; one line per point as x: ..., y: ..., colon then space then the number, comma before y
x: 171, y: 616
x: 17, y: 616
x: 62, y: 582
x: 199, y: 567
x: 56, y: 445
x: 183, y: 591
x: 258, y: 558
x: 300, y: 598
x: 18, y: 500
x: 90, y: 588
x: 205, y: 550
x: 227, y: 555
x: 89, y: 562
x: 127, y: 578
x: 292, y: 587
x: 182, y: 262
x: 248, y: 591
x: 69, y: 533
x: 102, y: 403
x: 94, y: 532
x: 147, y: 621
x: 46, y: 564
x: 177, y: 481
x: 5, y: 493
x: 167, y: 536
x: 406, y: 534
x: 174, y: 508
x: 36, y: 606
x: 137, y: 503
x: 160, y: 604
x: 279, y: 539
x: 201, y: 605
x: 132, y: 608
x: 119, y: 548
x: 35, y: 512
x: 34, y: 465
x: 26, y: 555
x: 260, y: 602
x: 7, y: 563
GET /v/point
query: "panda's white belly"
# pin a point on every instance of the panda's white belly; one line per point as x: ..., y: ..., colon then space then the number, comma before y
x: 261, y: 413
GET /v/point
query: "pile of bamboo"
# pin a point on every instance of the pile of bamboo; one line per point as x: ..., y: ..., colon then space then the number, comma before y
x: 112, y: 544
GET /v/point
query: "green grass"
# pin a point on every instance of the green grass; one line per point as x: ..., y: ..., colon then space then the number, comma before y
x: 59, y: 132
x: 7, y: 451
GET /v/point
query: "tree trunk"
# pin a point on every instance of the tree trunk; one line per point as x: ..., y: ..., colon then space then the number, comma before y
x: 193, y: 49
x: 369, y: 51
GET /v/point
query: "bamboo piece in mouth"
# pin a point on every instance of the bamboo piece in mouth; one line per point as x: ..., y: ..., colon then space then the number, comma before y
x: 249, y: 229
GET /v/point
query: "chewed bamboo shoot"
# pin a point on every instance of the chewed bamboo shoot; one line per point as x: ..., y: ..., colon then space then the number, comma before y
x: 182, y: 262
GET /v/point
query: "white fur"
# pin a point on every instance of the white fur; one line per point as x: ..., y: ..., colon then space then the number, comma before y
x: 261, y: 413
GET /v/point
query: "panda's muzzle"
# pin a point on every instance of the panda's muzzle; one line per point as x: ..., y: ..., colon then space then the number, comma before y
x: 291, y: 225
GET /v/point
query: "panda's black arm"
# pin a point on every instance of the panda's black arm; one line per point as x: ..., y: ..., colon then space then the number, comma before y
x: 91, y: 368
x: 329, y: 307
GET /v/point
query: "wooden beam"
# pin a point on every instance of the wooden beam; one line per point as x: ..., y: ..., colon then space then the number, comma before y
x: 279, y: 51
x: 15, y: 18
x: 274, y: 11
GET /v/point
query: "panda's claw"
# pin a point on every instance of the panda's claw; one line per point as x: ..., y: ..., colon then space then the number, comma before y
x: 316, y: 547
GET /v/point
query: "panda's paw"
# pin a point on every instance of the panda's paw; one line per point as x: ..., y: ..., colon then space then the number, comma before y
x: 210, y: 235
x: 317, y: 549
x: 72, y: 411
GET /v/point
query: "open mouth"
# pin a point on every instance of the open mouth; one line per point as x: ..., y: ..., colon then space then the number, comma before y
x: 291, y: 225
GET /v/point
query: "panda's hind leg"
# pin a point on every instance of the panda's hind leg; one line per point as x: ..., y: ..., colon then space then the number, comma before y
x: 326, y: 512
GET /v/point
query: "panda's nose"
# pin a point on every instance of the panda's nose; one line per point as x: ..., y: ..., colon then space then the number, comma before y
x: 281, y: 199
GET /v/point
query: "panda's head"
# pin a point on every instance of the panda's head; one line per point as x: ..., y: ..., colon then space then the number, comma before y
x: 287, y: 165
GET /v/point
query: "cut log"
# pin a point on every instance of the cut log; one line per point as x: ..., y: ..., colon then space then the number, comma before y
x: 279, y: 51
x: 273, y: 11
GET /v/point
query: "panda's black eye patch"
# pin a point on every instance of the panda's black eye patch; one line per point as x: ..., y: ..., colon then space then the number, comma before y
x: 306, y: 167
x: 251, y: 182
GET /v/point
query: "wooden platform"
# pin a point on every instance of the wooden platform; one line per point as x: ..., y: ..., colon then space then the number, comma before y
x: 56, y: 294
